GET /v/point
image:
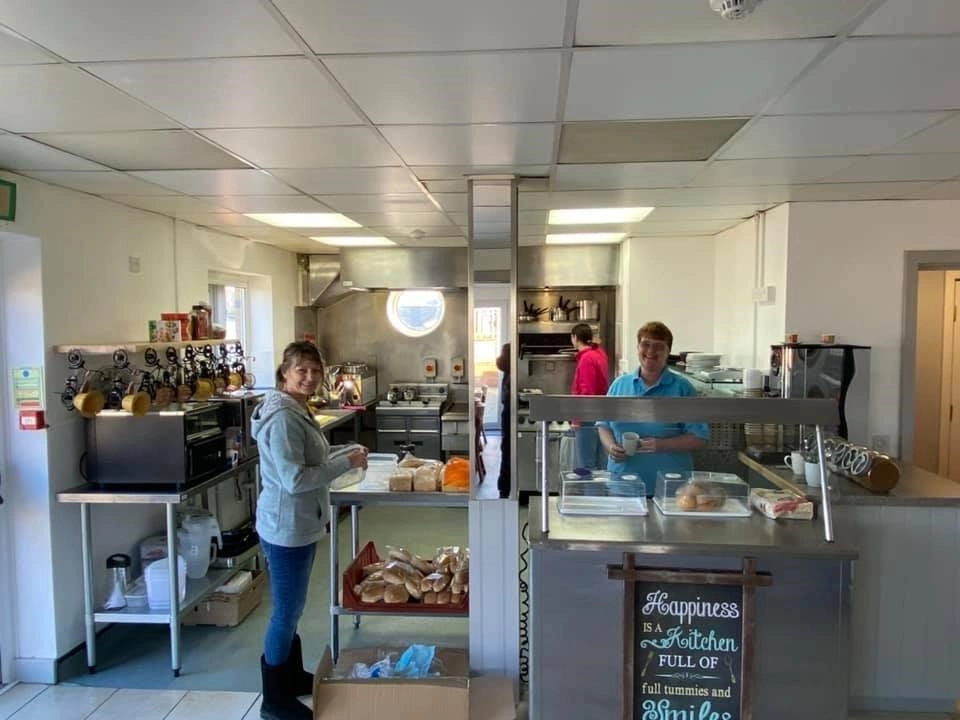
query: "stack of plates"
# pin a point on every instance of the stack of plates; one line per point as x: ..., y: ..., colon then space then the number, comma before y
x: 702, y: 361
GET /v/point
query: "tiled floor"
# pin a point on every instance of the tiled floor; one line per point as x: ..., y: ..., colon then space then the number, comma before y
x: 71, y: 702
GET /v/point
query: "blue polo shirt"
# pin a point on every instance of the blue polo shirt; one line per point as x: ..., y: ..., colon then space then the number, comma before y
x: 647, y: 465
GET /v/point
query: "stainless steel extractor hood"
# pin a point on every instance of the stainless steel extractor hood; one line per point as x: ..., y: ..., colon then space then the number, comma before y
x: 322, y: 283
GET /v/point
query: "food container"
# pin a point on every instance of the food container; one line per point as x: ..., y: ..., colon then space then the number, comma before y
x: 602, y: 493
x: 183, y: 319
x: 702, y: 494
x: 588, y: 310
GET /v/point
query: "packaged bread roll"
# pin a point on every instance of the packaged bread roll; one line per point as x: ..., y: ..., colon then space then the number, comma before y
x: 395, y: 594
x: 426, y: 478
x: 456, y: 588
x: 378, y: 575
x: 372, y: 568
x: 413, y: 587
x: 461, y: 577
x: 456, y: 598
x: 422, y: 565
x: 443, y: 598
x: 426, y: 585
x: 430, y: 598
x: 399, y: 553
x: 401, y: 480
x: 442, y: 583
x: 373, y: 592
x: 409, y: 461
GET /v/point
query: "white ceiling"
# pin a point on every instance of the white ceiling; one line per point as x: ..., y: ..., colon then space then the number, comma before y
x: 379, y: 109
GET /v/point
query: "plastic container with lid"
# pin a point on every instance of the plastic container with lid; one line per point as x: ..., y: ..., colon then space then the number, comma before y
x: 702, y: 494
x: 200, y: 322
x: 157, y: 578
x: 602, y: 493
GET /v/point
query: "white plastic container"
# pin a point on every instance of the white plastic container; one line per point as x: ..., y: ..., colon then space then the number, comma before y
x: 157, y: 577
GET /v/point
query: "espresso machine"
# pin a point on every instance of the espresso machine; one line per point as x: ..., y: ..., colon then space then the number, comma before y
x: 352, y: 384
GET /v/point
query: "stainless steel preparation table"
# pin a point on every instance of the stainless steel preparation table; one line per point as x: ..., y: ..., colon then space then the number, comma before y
x: 371, y: 490
x: 90, y: 494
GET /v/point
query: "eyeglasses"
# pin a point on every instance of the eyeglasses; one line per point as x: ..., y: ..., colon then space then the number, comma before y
x: 656, y: 347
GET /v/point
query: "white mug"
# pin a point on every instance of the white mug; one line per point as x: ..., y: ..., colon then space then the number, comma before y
x: 812, y: 472
x: 630, y: 442
x: 794, y: 461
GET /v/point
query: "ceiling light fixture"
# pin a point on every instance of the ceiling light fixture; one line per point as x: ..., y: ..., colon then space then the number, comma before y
x: 304, y: 220
x: 355, y: 241
x: 734, y: 9
x: 598, y: 216
x: 585, y: 238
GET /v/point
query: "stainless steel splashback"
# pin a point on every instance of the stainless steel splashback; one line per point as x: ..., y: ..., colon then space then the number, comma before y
x: 540, y: 266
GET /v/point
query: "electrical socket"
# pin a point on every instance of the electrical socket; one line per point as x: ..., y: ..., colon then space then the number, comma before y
x: 764, y: 294
x: 881, y: 443
x: 133, y: 263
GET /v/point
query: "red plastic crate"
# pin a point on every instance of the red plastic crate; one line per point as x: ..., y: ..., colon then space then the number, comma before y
x: 354, y: 575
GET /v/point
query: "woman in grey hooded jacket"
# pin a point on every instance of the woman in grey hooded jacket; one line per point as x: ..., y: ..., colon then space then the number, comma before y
x: 297, y: 466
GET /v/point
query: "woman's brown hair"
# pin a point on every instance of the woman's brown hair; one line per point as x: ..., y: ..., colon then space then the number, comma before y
x: 656, y: 331
x: 293, y: 354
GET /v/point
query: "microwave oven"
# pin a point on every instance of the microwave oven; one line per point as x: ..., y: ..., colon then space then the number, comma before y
x: 236, y: 412
x: 179, y: 446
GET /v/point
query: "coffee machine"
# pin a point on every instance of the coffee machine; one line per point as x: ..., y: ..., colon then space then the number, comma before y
x: 352, y: 384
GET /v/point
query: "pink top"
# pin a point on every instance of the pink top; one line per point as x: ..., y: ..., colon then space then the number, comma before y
x: 590, y: 377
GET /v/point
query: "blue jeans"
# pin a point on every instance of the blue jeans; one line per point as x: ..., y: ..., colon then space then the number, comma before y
x: 588, y: 447
x: 289, y: 580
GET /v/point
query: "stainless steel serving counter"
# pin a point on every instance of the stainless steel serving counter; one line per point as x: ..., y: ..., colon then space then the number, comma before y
x: 657, y: 534
x: 917, y: 487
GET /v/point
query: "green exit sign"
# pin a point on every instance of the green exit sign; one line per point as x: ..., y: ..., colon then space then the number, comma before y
x: 8, y: 200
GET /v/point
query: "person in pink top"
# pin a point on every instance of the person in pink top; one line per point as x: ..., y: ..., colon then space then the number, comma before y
x: 591, y: 377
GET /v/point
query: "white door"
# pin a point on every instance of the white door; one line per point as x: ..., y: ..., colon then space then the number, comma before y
x: 491, y: 326
x: 950, y: 406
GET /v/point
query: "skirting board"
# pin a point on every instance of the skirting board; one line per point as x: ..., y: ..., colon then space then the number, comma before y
x: 36, y: 670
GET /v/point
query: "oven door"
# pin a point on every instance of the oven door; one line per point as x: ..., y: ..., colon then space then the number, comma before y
x: 206, y: 455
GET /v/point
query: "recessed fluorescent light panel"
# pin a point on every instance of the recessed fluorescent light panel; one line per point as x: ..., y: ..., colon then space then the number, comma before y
x: 305, y: 220
x: 585, y: 238
x: 598, y: 216
x: 355, y: 241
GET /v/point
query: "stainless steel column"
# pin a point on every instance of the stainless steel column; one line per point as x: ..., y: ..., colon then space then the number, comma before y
x: 826, y: 506
x: 355, y: 543
x: 90, y: 625
x: 173, y: 565
x: 334, y: 584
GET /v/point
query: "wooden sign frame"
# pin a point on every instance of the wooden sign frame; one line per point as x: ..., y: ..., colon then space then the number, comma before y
x: 748, y: 578
x: 8, y: 200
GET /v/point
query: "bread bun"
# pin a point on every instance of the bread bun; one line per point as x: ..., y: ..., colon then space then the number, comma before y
x: 413, y: 588
x: 395, y: 594
x: 710, y: 502
x: 687, y: 502
x: 373, y: 592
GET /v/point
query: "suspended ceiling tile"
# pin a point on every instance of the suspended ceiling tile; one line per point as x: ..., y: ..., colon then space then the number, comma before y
x: 857, y: 191
x: 819, y: 135
x: 14, y: 51
x: 615, y: 22
x: 940, y: 191
x: 917, y: 17
x: 56, y: 98
x: 402, y: 219
x: 625, y: 175
x: 771, y: 171
x: 700, y: 196
x: 143, y: 150
x: 172, y: 205
x: 683, y: 227
x: 218, y: 182
x: 530, y: 144
x: 236, y: 92
x: 651, y: 141
x: 307, y: 147
x: 944, y: 137
x: 679, y: 81
x: 431, y: 242
x: 446, y: 186
x: 412, y: 231
x: 459, y: 172
x: 880, y: 75
x: 99, y: 183
x: 452, y: 202
x: 18, y: 153
x: 268, y: 203
x: 465, y: 88
x: 125, y: 30
x: 534, y: 201
x: 350, y: 181
x: 714, y: 212
x: 370, y: 26
x: 237, y: 220
x: 406, y: 202
x: 889, y: 168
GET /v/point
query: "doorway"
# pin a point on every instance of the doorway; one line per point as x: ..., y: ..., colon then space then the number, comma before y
x: 490, y: 329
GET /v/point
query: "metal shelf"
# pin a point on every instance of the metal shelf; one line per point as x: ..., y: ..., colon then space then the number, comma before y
x: 340, y: 610
x: 138, y: 346
x: 196, y: 591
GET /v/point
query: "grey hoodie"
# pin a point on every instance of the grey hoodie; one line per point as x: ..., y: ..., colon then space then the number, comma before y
x: 297, y: 466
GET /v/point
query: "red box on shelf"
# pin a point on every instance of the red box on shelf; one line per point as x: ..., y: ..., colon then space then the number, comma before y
x: 354, y: 575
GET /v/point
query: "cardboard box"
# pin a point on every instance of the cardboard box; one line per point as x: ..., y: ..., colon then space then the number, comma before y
x: 224, y: 610
x: 447, y: 696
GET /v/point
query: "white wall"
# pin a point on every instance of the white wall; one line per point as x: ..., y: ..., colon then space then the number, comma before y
x: 668, y: 279
x: 751, y: 254
x: 80, y: 247
x: 845, y: 274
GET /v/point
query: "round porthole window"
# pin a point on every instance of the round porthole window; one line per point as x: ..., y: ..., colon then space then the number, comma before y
x: 415, y: 313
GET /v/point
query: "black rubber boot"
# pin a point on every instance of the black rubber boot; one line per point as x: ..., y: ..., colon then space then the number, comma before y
x: 300, y: 680
x: 279, y: 702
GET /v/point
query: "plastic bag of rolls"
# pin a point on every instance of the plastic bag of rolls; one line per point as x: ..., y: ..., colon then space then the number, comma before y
x: 405, y: 578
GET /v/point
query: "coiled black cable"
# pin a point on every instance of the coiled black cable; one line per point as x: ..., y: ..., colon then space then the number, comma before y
x: 524, y: 606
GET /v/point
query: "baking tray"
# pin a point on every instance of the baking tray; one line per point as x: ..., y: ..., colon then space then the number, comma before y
x: 732, y: 508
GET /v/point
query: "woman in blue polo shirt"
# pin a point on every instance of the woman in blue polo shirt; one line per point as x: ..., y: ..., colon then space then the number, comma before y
x: 663, y: 447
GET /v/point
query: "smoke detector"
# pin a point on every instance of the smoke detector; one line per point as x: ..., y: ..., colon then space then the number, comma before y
x: 734, y: 9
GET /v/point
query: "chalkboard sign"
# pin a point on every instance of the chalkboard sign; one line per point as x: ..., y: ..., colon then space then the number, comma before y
x: 689, y: 651
x: 687, y: 641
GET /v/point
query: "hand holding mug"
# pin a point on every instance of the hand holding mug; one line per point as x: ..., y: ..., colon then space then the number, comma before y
x: 647, y: 445
x: 617, y: 453
x: 358, y: 458
x: 630, y: 442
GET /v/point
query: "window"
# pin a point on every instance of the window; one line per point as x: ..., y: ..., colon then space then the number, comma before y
x: 415, y: 313
x: 230, y: 302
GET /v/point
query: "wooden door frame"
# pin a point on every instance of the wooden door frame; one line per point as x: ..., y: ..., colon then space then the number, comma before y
x: 950, y: 280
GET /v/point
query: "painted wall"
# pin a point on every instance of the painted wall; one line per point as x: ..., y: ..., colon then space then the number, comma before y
x: 78, y: 278
x: 751, y: 254
x: 671, y: 280
x: 929, y: 361
x: 845, y: 268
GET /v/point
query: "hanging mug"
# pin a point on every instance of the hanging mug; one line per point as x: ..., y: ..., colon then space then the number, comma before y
x: 89, y: 401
